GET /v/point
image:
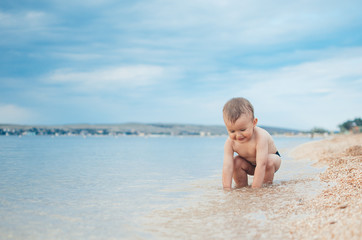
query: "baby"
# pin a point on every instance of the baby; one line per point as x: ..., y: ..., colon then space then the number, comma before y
x: 255, y: 148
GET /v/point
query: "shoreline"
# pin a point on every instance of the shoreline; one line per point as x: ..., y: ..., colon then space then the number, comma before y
x: 336, y: 212
x: 137, y: 129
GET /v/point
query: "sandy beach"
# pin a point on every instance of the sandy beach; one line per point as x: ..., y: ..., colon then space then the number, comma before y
x: 337, y: 212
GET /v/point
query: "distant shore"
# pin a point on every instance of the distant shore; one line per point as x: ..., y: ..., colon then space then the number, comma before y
x: 336, y: 213
x: 136, y: 129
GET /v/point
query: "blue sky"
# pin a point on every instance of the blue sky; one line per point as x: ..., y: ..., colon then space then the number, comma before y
x: 63, y: 62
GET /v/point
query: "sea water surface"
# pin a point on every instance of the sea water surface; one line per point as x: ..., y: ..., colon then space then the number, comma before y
x: 138, y: 188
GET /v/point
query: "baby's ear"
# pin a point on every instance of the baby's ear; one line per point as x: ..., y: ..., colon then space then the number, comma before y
x: 255, y: 121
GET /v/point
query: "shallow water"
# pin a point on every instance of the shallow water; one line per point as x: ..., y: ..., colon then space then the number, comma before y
x: 140, y: 188
x: 246, y: 213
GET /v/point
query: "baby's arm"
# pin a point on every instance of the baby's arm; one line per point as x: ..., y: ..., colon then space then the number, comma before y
x: 261, y: 161
x: 228, y: 166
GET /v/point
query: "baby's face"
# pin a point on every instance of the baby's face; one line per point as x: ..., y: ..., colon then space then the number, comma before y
x: 242, y: 130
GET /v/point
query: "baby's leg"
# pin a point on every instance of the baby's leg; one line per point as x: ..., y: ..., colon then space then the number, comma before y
x: 241, y: 170
x: 272, y: 166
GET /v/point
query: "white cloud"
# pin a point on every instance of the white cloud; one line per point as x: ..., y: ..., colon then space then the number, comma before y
x: 14, y: 114
x: 72, y: 56
x: 212, y: 44
x: 111, y: 79
x: 23, y: 26
x: 243, y: 22
x: 24, y: 20
x: 322, y: 93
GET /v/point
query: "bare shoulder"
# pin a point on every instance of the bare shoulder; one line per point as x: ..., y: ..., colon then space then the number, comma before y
x: 228, y: 143
x: 229, y: 146
x: 262, y: 134
x: 265, y: 138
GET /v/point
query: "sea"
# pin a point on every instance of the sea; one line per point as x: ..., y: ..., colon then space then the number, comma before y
x: 132, y: 187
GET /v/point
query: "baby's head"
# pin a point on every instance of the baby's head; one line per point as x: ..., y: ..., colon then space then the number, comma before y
x: 236, y: 107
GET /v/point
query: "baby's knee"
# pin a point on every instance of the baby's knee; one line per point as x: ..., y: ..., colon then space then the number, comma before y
x: 237, y: 162
x: 270, y: 163
x: 240, y: 163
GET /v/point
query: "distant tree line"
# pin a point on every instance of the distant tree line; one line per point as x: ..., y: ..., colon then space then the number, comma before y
x: 319, y: 130
x: 351, y: 125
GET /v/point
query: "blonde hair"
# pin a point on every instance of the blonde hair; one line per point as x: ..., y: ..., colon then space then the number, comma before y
x: 235, y: 107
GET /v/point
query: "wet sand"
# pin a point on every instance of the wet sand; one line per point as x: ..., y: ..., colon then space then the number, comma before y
x: 324, y: 204
x: 336, y: 213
